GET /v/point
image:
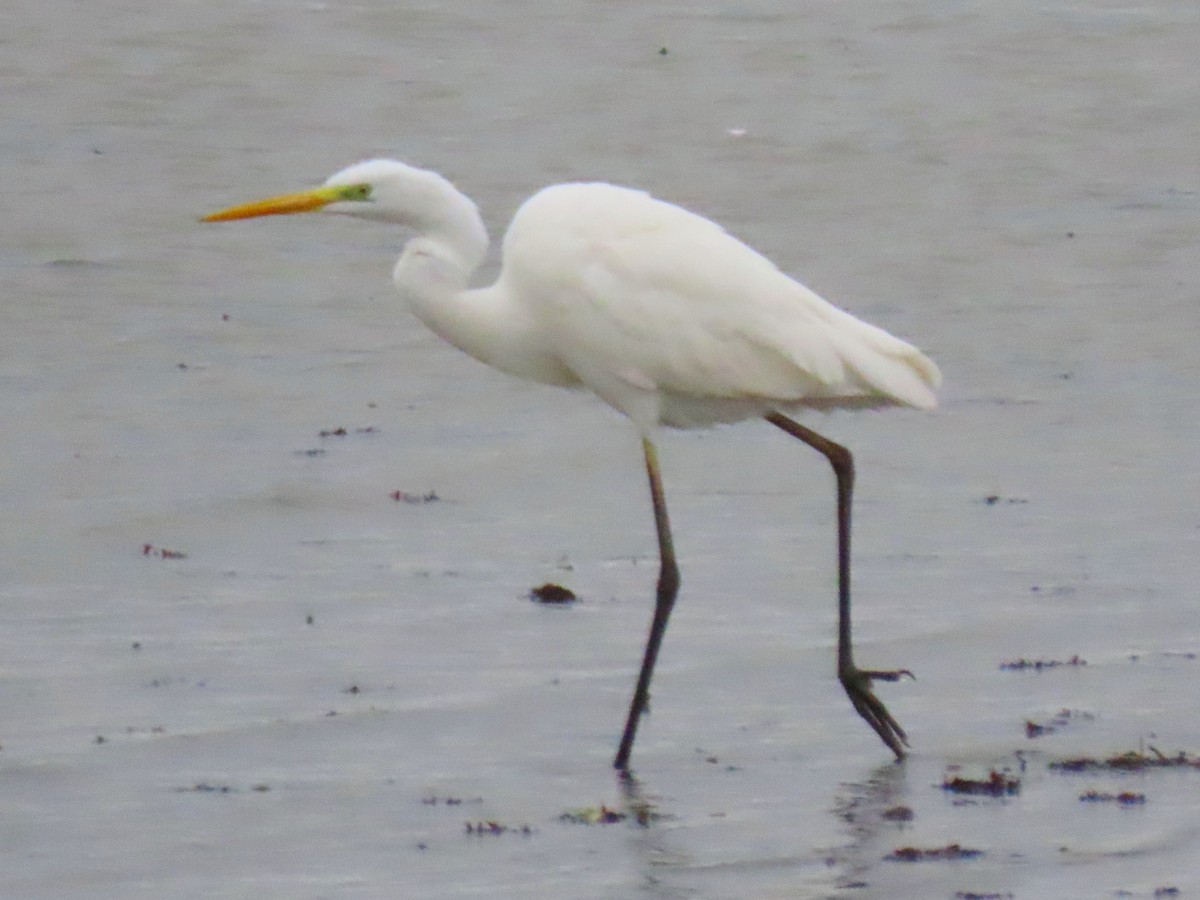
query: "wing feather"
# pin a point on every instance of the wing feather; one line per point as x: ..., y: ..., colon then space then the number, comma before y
x: 644, y: 291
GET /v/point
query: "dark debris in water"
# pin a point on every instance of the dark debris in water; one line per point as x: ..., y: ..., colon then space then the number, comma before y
x: 593, y: 815
x: 923, y: 854
x: 435, y: 800
x: 495, y: 828
x: 552, y: 594
x: 1125, y: 798
x: 1167, y: 654
x: 1060, y: 719
x: 203, y: 787
x: 640, y: 814
x: 994, y: 499
x: 414, y: 499
x: 996, y: 784
x: 162, y: 552
x: 1130, y: 761
x: 975, y: 895
x: 1037, y: 665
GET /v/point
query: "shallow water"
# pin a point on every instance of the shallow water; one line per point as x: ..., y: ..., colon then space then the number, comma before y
x: 291, y: 701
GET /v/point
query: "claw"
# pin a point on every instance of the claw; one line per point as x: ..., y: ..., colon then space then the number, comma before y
x: 858, y: 686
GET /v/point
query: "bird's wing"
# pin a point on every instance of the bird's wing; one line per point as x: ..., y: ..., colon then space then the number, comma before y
x: 650, y: 293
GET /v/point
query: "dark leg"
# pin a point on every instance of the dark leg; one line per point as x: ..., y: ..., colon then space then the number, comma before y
x: 668, y: 587
x: 856, y: 681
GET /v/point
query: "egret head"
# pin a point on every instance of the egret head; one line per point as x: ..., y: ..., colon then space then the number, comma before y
x: 380, y: 189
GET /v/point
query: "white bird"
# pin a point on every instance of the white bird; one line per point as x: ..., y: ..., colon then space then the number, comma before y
x: 658, y: 311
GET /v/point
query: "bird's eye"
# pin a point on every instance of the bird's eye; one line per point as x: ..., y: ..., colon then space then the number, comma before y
x: 356, y: 192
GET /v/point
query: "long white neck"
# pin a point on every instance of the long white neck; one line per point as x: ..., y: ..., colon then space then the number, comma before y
x: 432, y: 276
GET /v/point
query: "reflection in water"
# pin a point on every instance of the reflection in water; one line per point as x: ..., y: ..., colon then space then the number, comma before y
x: 651, y: 847
x: 672, y: 862
x: 868, y: 808
x: 636, y: 805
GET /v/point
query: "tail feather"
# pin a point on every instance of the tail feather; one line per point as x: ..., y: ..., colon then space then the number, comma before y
x: 886, y: 365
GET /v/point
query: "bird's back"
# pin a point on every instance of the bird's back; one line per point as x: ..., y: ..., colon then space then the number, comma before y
x: 672, y: 320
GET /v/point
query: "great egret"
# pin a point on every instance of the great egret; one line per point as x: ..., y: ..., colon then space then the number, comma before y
x: 658, y: 311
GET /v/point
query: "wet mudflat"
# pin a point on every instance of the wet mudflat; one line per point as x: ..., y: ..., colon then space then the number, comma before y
x: 267, y: 546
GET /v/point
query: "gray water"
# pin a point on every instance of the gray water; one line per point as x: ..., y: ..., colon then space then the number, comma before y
x: 291, y: 701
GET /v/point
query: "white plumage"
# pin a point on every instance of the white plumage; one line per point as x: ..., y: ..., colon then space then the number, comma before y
x: 673, y: 321
x: 658, y: 311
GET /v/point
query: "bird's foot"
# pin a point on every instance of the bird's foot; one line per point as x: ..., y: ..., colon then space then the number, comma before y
x: 857, y: 683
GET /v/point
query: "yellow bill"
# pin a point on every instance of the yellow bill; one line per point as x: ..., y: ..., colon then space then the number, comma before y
x: 284, y: 204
